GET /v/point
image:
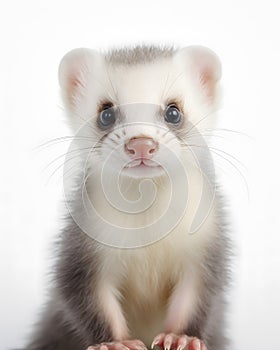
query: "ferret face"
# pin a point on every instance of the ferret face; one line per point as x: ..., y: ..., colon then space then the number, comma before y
x: 139, y: 115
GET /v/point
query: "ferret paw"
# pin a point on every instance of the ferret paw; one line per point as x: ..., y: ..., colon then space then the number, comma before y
x: 171, y: 341
x: 119, y: 345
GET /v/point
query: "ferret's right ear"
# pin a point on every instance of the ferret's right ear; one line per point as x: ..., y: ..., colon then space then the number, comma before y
x: 74, y: 72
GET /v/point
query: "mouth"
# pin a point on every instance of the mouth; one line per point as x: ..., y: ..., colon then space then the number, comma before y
x: 142, y: 163
x: 139, y: 168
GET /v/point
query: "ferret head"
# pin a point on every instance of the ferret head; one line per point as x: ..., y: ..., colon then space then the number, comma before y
x: 139, y: 106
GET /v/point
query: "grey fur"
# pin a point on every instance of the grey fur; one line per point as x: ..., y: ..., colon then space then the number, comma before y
x: 210, y: 324
x: 71, y: 321
x: 138, y: 54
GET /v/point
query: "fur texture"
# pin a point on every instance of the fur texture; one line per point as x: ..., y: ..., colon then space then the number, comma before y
x: 177, y: 283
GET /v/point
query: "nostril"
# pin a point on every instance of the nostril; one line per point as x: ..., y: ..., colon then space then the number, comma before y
x: 152, y: 150
x: 130, y: 150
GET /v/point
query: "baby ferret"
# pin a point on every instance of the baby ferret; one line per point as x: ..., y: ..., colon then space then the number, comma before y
x: 143, y: 258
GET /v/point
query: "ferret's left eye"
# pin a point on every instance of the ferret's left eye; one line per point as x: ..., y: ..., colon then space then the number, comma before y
x: 107, y: 117
x: 172, y: 114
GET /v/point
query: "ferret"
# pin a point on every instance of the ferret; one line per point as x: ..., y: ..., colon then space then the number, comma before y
x: 143, y: 259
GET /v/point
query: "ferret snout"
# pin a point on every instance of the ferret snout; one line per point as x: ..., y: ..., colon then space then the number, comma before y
x: 141, y: 147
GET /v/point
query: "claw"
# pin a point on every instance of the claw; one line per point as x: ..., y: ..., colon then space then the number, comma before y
x: 157, y: 339
x: 171, y: 341
x: 167, y: 343
x: 154, y: 343
x: 182, y: 342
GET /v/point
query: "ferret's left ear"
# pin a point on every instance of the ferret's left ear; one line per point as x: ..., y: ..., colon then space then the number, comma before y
x: 204, y: 66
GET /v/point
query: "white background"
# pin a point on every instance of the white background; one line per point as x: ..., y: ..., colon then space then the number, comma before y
x: 34, y: 37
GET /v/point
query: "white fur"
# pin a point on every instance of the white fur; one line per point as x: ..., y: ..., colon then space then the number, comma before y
x: 160, y: 283
x: 155, y: 288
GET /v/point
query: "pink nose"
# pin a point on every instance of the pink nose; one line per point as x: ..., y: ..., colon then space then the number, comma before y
x: 141, y: 147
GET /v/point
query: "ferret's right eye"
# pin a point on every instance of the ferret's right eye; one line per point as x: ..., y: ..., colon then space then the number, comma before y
x: 107, y: 117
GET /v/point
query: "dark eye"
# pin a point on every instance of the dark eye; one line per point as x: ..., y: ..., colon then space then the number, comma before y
x: 172, y: 114
x: 107, y: 117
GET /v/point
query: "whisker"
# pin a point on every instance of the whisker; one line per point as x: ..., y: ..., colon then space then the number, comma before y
x: 230, y: 162
x: 200, y: 120
x: 185, y: 132
x: 229, y: 155
x: 86, y: 121
x: 174, y: 81
x: 113, y: 88
x: 165, y: 85
x: 65, y: 154
x: 217, y: 150
x: 231, y: 130
x: 85, y: 161
x: 78, y: 156
x: 66, y: 174
x: 83, y: 187
x: 61, y: 139
x: 239, y: 133
x: 197, y: 134
x: 60, y: 166
x: 111, y: 139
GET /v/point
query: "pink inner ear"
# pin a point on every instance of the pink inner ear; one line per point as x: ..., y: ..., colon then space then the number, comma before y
x: 73, y: 71
x: 208, y: 83
x: 74, y: 83
x: 206, y: 69
x: 72, y: 87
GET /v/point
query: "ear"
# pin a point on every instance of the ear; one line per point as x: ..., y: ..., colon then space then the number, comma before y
x: 74, y: 72
x: 204, y: 67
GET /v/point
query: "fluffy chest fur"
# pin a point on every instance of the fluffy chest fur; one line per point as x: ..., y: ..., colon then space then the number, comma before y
x: 145, y: 279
